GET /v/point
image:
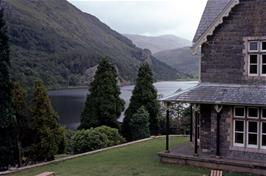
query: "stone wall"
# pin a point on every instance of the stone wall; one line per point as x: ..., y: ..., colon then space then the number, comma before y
x: 222, y: 55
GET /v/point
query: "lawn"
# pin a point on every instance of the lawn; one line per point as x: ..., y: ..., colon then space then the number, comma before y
x: 135, y: 160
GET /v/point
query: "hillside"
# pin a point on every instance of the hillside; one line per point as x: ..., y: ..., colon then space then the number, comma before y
x: 181, y: 59
x: 55, y: 41
x: 158, y: 43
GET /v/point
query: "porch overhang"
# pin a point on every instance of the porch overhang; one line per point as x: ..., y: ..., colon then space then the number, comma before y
x: 222, y: 94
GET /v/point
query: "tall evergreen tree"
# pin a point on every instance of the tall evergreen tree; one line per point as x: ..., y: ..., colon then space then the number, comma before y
x: 103, y: 105
x: 7, y: 119
x: 45, y: 124
x: 144, y: 94
x: 23, y: 121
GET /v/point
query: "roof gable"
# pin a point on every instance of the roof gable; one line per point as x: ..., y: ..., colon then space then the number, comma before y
x: 213, y: 15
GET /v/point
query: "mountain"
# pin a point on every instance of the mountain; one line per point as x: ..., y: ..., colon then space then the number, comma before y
x: 158, y: 43
x: 181, y: 59
x: 54, y: 41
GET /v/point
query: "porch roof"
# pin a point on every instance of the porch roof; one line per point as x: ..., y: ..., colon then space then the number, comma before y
x: 224, y: 94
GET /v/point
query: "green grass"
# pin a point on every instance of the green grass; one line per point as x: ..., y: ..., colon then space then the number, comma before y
x: 134, y: 160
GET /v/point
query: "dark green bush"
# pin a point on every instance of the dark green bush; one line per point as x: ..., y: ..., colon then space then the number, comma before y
x: 69, y: 141
x: 113, y: 136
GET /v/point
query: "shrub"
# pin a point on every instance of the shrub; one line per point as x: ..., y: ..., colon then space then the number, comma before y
x: 113, y: 136
x: 88, y: 140
x: 138, y: 125
x: 69, y: 141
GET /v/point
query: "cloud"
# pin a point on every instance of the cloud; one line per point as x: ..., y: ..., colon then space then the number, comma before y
x: 149, y: 17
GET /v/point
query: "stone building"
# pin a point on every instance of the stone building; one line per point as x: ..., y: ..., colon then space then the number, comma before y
x: 229, y: 103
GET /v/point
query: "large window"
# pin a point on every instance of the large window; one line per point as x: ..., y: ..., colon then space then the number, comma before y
x: 249, y: 127
x: 256, y: 58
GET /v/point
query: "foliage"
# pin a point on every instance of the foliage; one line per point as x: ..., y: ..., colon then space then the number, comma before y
x: 88, y: 140
x: 103, y: 105
x: 69, y: 141
x: 7, y: 118
x: 144, y: 94
x: 138, y: 125
x: 113, y: 136
x: 47, y: 133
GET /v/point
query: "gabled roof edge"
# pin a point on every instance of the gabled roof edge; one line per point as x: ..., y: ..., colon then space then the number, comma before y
x: 218, y: 20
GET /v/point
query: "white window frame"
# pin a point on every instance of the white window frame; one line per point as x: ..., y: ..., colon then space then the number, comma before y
x: 251, y: 145
x: 262, y: 134
x: 261, y: 113
x: 261, y: 64
x: 258, y: 64
x: 241, y: 108
x: 262, y: 45
x: 253, y: 117
x: 258, y: 46
x: 244, y: 138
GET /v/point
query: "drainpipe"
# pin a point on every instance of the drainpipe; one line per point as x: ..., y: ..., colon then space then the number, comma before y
x: 218, y: 110
x: 167, y: 127
x: 197, y: 111
x: 191, y: 123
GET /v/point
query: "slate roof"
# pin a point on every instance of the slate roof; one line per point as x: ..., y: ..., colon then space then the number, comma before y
x: 211, y: 12
x: 223, y: 94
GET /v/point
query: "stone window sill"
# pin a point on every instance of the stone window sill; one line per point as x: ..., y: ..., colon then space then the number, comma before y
x: 244, y: 149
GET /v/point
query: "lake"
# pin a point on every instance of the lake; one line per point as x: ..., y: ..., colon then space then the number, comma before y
x: 69, y: 102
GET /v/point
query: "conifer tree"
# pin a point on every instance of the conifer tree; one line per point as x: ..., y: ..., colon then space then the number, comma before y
x: 7, y: 118
x: 144, y: 94
x: 45, y: 125
x: 138, y: 125
x: 103, y: 105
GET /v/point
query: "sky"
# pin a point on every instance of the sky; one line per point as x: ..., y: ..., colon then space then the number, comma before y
x: 147, y: 17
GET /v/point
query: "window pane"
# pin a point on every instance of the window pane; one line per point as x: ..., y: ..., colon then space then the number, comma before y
x: 253, y: 69
x: 263, y: 142
x: 263, y: 111
x: 240, y: 112
x: 253, y: 46
x: 264, y: 59
x: 239, y: 138
x: 252, y: 112
x: 264, y: 128
x: 253, y: 59
x: 252, y: 127
x: 252, y: 139
x: 239, y: 125
x: 263, y: 69
x: 263, y: 45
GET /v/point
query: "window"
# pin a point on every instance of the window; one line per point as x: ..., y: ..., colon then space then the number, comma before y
x: 256, y: 58
x: 253, y: 113
x: 252, y: 134
x: 249, y: 125
x: 253, y: 46
x: 239, y: 112
x: 263, y: 64
x: 239, y: 134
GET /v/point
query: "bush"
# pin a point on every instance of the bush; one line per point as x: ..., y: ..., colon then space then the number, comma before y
x: 113, y: 136
x: 138, y: 125
x: 88, y: 140
x: 69, y: 141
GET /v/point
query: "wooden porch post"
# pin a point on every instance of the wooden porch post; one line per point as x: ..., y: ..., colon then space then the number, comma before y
x: 218, y: 110
x: 197, y: 109
x: 167, y: 127
x: 191, y: 123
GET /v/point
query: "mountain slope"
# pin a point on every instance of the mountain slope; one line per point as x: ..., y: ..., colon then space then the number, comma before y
x: 55, y: 41
x: 158, y: 43
x: 181, y: 59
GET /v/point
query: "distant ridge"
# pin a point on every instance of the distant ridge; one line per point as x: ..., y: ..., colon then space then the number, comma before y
x: 54, y: 41
x: 158, y: 43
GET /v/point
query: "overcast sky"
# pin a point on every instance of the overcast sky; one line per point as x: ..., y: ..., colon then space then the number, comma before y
x: 147, y: 17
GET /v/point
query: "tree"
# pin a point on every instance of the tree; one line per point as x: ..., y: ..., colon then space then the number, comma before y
x: 138, y: 125
x: 47, y: 133
x: 7, y: 118
x: 103, y: 105
x: 21, y: 110
x: 144, y: 94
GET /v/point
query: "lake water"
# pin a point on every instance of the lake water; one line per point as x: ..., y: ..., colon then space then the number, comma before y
x: 69, y: 102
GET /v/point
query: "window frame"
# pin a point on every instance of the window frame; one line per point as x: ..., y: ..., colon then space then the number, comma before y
x: 261, y: 114
x: 262, y: 64
x: 261, y: 135
x: 234, y: 136
x: 258, y: 46
x: 258, y: 112
x: 258, y: 64
x: 242, y: 117
x: 261, y: 45
x: 257, y: 133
